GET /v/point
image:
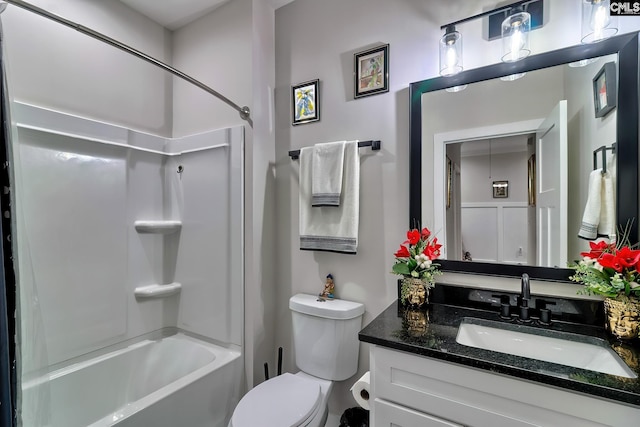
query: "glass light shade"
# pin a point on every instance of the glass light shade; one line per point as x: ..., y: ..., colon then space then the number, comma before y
x: 450, y: 53
x: 515, y: 37
x: 582, y: 63
x: 512, y: 77
x: 455, y: 89
x: 597, y: 23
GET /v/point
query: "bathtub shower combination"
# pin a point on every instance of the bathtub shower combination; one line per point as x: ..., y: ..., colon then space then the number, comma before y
x: 164, y: 381
x: 127, y: 238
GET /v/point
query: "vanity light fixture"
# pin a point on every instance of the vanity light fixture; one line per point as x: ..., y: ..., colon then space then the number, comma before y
x: 450, y: 52
x: 597, y: 25
x: 597, y: 22
x: 515, y: 35
x: 512, y: 23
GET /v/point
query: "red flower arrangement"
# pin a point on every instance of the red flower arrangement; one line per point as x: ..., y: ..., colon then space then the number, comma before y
x: 609, y: 270
x: 416, y: 254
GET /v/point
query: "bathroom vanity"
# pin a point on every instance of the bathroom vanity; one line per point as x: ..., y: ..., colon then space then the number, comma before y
x: 421, y: 374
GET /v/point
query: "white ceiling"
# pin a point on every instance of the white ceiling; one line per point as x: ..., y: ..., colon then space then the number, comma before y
x: 173, y: 14
x: 507, y: 144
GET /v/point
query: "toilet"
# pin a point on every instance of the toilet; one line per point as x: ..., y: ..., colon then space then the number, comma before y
x: 325, y: 337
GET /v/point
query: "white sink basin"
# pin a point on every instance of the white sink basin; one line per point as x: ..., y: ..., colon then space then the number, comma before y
x: 589, y: 353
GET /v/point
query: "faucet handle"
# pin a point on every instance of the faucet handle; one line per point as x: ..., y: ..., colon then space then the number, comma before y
x: 544, y: 312
x: 505, y: 306
x: 524, y: 311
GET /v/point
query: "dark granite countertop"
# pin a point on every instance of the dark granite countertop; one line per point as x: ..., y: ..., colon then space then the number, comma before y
x: 437, y: 339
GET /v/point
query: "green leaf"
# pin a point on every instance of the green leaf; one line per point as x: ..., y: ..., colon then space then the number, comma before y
x: 401, y: 268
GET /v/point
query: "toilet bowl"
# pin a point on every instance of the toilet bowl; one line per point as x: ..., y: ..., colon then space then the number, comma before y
x: 325, y: 337
x: 291, y: 400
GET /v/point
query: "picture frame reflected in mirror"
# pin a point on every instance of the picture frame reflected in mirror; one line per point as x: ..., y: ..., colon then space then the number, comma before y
x: 500, y: 189
x: 449, y: 181
x: 531, y: 179
x: 604, y: 89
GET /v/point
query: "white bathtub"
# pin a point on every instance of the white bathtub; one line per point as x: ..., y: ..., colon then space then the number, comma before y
x: 172, y: 381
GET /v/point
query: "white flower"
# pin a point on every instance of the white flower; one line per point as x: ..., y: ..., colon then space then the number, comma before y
x: 591, y: 262
x: 423, y: 261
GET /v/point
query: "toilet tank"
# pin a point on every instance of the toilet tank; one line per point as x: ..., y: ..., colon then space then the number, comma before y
x: 325, y: 336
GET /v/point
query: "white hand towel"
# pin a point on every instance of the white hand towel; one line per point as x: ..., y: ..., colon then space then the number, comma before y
x: 591, y: 216
x: 331, y: 228
x: 326, y: 179
x: 607, y: 225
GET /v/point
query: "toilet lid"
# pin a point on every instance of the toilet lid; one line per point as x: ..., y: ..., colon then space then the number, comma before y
x: 284, y: 401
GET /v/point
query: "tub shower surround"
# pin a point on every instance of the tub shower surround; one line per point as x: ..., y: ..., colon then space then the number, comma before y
x: 129, y: 257
x: 168, y: 378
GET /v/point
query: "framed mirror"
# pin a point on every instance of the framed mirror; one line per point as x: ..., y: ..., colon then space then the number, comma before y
x: 482, y: 159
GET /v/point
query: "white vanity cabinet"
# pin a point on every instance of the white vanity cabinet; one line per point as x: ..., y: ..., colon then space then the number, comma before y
x: 410, y: 390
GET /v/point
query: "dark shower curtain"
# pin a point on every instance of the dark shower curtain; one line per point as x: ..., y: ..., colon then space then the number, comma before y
x: 7, y: 276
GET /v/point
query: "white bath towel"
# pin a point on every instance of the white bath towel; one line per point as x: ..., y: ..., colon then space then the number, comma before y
x: 331, y: 228
x: 607, y: 224
x: 591, y: 215
x: 326, y: 173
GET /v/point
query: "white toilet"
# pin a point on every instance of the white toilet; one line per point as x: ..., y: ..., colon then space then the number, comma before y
x: 325, y: 336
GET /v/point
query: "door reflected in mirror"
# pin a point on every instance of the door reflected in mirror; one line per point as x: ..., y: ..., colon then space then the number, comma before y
x: 511, y: 165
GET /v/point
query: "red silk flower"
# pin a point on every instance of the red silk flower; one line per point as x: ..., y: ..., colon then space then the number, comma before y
x: 403, y: 252
x: 425, y: 233
x: 597, y: 249
x: 432, y: 251
x: 608, y: 260
x: 413, y: 237
x: 628, y: 257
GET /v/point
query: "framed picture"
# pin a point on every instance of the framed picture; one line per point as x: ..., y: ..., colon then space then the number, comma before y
x: 604, y: 89
x: 305, y: 102
x: 449, y: 181
x: 500, y: 189
x: 531, y: 179
x: 371, y: 71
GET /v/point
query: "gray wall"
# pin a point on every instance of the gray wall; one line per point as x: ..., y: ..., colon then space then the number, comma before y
x: 317, y: 39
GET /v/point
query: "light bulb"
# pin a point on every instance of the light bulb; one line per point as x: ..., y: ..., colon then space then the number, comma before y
x: 599, y: 20
x: 515, y: 36
x: 597, y: 23
x: 450, y: 52
x: 517, y: 41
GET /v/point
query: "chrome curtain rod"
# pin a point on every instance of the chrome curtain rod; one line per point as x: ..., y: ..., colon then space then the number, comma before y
x: 245, y: 113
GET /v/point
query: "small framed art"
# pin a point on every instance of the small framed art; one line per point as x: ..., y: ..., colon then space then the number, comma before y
x: 531, y: 179
x: 449, y: 181
x: 371, y: 71
x: 305, y: 102
x: 604, y: 89
x: 500, y: 189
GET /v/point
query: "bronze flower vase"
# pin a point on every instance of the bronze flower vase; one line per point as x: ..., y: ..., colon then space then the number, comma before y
x: 415, y: 321
x: 414, y: 292
x: 622, y: 317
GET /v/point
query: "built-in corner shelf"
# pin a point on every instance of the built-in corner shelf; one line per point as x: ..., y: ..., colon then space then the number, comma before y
x: 157, y: 227
x: 158, y: 291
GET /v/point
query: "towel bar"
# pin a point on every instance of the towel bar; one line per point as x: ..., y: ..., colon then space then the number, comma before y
x: 603, y: 151
x: 375, y: 145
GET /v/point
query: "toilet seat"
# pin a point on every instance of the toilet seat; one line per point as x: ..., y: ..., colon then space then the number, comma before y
x: 285, y: 401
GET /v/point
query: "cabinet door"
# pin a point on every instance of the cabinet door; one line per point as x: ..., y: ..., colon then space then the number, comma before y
x: 388, y: 414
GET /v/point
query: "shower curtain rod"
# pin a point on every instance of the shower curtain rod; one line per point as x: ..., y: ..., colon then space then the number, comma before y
x: 245, y: 113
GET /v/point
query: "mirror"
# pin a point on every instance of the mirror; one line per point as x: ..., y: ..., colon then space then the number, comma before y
x: 483, y: 160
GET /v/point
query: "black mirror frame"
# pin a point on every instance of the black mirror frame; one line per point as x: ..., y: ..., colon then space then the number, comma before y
x: 626, y: 46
